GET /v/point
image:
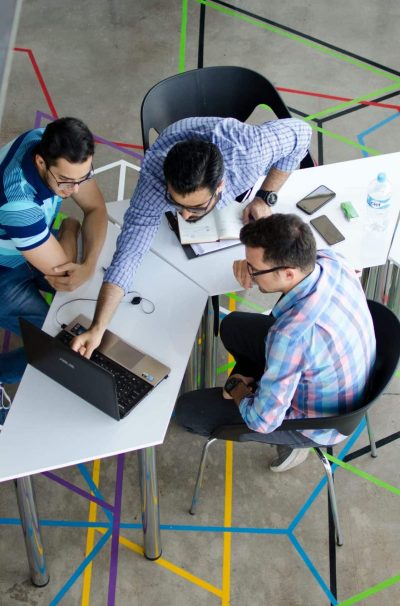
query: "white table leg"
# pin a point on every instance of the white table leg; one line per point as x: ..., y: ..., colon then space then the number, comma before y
x: 150, y: 502
x: 31, y: 529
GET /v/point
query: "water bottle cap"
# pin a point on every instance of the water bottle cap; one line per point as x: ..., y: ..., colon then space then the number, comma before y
x: 381, y: 177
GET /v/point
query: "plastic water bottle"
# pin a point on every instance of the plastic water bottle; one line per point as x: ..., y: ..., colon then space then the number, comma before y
x: 378, y: 203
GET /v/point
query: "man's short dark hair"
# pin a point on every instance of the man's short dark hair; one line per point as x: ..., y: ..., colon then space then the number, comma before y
x: 67, y: 138
x: 286, y: 240
x: 193, y: 164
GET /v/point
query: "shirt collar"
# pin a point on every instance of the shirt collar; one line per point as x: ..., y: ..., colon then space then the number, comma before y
x: 34, y: 179
x: 302, y: 290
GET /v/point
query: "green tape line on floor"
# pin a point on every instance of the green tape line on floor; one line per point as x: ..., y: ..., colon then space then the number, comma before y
x: 182, y: 45
x: 364, y: 475
x: 225, y: 367
x: 231, y: 295
x: 346, y: 104
x: 371, y: 591
x: 369, y: 150
x: 301, y: 40
x: 328, y: 133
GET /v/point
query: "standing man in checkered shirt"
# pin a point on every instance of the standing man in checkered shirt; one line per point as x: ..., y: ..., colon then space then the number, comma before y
x: 195, y: 165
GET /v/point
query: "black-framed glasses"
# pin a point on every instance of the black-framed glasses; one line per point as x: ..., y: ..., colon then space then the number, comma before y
x: 196, y: 210
x: 69, y: 185
x: 259, y: 272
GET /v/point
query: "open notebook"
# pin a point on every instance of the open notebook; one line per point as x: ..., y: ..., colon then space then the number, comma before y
x: 220, y: 224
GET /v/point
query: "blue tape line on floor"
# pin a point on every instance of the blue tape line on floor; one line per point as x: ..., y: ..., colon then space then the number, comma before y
x: 312, y: 569
x: 364, y: 133
x: 89, y: 480
x: 168, y: 527
x: 81, y: 568
x: 298, y: 517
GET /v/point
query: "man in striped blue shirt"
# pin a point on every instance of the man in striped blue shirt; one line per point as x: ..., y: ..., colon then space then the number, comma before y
x: 37, y: 171
x: 195, y: 165
x: 311, y: 357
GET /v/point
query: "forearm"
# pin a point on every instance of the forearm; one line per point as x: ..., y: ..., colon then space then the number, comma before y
x: 110, y: 296
x: 240, y: 392
x: 68, y: 238
x: 94, y: 229
x: 275, y: 179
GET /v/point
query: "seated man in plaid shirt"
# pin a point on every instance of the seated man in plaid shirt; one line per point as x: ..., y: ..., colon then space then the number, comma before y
x: 311, y: 357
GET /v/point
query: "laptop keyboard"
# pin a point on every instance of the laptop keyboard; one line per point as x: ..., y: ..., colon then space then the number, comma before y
x: 130, y: 388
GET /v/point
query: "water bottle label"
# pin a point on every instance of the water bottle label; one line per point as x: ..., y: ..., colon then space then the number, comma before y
x: 378, y: 204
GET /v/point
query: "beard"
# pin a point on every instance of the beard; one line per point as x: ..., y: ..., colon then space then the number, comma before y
x: 195, y: 219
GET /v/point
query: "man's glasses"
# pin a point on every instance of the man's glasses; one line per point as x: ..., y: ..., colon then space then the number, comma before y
x: 196, y: 210
x: 259, y: 272
x: 69, y: 185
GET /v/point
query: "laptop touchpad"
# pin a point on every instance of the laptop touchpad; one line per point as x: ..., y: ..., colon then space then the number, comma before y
x: 125, y: 355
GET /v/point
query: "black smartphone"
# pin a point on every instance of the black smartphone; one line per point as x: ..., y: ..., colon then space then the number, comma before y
x: 327, y: 230
x: 316, y: 199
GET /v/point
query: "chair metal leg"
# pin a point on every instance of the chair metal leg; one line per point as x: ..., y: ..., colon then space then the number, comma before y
x: 194, y: 367
x: 200, y: 473
x: 30, y: 525
x: 331, y: 492
x: 374, y: 451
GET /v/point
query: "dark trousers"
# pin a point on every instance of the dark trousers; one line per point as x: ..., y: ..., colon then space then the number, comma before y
x: 202, y: 411
x: 243, y: 335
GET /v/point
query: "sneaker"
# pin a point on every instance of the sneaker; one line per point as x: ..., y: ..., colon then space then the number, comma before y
x: 288, y: 458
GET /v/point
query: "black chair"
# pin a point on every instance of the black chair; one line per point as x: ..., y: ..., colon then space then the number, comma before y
x: 223, y: 91
x: 387, y: 332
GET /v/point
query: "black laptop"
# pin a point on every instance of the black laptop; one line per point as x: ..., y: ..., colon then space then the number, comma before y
x: 115, y: 379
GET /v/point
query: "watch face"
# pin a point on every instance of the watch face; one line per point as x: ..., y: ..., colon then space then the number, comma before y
x: 231, y: 384
x: 269, y: 197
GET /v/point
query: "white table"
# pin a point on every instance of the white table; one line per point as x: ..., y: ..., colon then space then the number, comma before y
x: 349, y: 180
x: 362, y: 248
x: 393, y: 277
x: 48, y: 427
x: 201, y: 270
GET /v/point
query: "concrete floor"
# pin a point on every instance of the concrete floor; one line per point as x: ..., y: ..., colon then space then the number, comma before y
x: 96, y: 60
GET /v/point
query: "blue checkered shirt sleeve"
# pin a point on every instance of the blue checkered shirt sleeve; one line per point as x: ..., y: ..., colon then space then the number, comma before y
x: 141, y: 222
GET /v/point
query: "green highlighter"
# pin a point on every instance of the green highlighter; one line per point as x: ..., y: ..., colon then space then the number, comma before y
x: 349, y: 211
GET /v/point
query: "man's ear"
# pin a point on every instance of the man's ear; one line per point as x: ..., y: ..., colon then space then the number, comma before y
x: 39, y: 162
x: 290, y: 274
x: 220, y: 185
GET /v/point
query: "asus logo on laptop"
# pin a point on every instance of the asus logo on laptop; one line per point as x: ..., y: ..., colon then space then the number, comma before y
x: 67, y: 363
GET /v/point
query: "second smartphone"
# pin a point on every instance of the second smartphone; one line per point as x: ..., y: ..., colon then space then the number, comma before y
x: 327, y: 230
x: 316, y: 199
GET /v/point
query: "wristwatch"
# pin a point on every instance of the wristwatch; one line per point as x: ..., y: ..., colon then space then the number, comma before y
x: 270, y: 197
x: 231, y: 384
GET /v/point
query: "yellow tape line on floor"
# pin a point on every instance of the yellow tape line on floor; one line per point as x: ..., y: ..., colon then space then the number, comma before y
x: 169, y: 566
x: 226, y: 561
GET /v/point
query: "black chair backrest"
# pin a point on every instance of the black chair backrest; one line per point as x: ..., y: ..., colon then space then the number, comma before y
x: 210, y: 91
x: 387, y: 333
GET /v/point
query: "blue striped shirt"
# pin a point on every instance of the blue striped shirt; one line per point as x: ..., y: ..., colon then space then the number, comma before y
x: 319, y: 352
x: 27, y: 206
x: 249, y: 151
